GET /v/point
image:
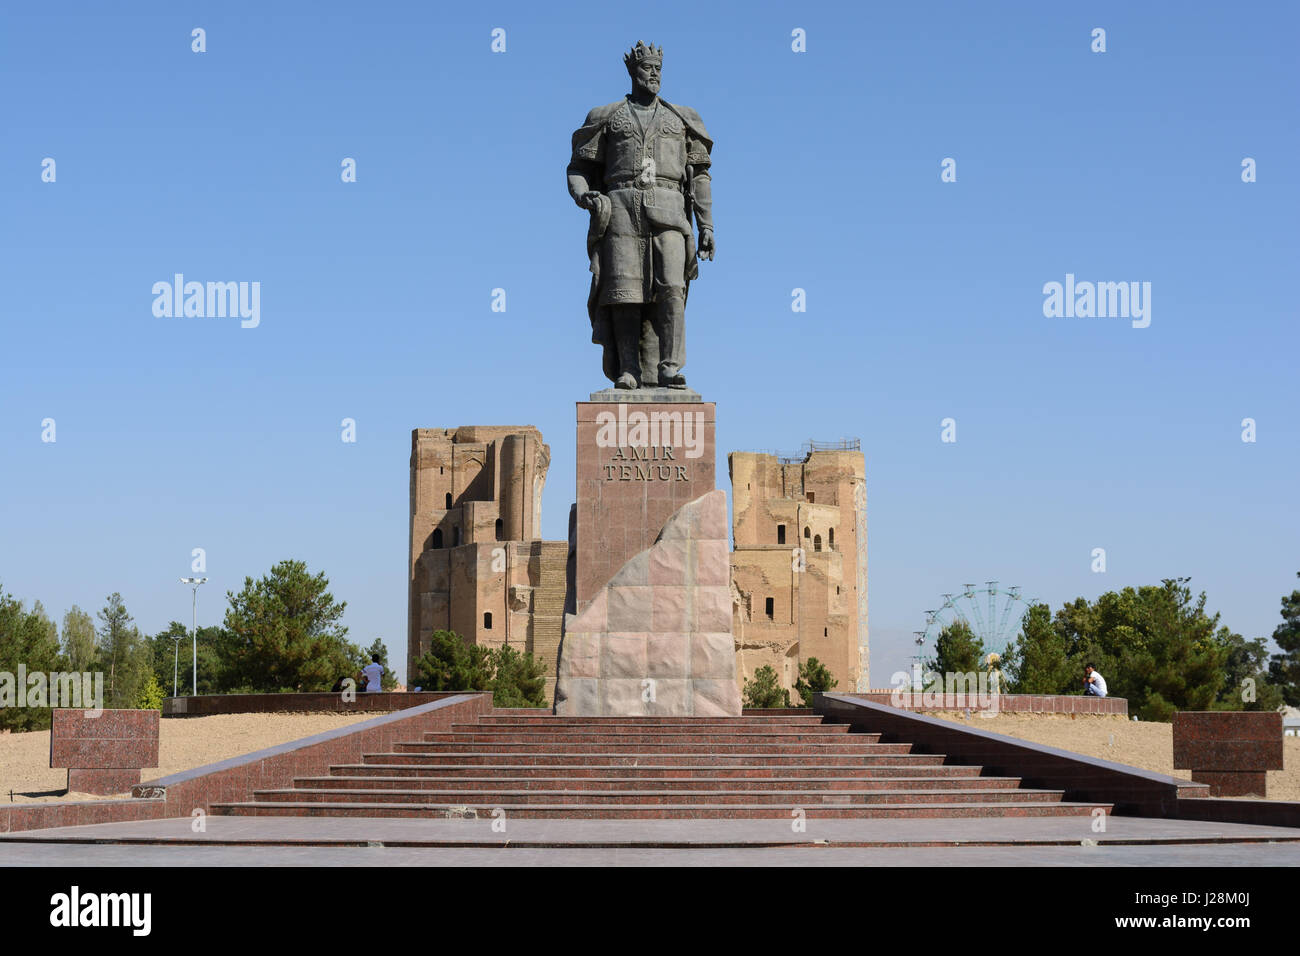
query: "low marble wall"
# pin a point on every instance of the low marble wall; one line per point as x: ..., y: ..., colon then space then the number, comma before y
x: 181, y: 794
x: 1006, y: 703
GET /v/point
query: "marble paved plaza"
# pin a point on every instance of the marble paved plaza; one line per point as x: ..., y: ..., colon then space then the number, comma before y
x: 326, y: 841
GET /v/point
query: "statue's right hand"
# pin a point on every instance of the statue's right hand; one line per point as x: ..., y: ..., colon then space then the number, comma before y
x: 588, y: 199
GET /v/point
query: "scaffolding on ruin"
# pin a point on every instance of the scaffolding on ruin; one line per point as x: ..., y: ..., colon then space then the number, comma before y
x: 805, y: 451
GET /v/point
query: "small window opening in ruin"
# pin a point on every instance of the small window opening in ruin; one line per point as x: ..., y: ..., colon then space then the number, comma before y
x: 812, y: 498
x: 817, y: 542
x: 830, y: 539
x: 449, y: 501
x: 500, y: 528
x: 487, y: 620
x: 780, y: 534
x: 771, y: 607
x: 437, y: 538
x: 807, y: 532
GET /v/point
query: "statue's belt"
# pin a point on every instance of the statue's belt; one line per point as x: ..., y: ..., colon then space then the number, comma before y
x: 635, y: 183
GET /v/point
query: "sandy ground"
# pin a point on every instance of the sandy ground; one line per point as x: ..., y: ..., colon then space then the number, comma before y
x: 183, y: 744
x: 1149, y: 746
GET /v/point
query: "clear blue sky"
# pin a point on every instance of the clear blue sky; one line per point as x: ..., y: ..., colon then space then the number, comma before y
x: 924, y: 299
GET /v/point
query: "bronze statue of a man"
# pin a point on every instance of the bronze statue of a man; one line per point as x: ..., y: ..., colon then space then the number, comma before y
x: 641, y: 167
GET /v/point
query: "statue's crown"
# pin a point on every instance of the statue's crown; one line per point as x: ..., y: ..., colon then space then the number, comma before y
x: 643, y: 54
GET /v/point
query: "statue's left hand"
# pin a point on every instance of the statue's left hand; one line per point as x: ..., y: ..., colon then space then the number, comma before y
x: 706, y: 244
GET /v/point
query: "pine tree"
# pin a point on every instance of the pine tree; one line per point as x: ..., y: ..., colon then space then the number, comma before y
x: 286, y: 634
x: 1284, y: 668
x: 1040, y: 663
x: 520, y: 679
x: 126, y: 654
x: 957, y: 651
x: 814, y: 677
x: 1246, y: 670
x: 765, y: 690
x: 26, y: 640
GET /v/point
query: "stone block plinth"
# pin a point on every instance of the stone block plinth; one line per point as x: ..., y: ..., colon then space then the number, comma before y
x: 641, y: 456
x: 104, y: 750
x: 1229, y: 750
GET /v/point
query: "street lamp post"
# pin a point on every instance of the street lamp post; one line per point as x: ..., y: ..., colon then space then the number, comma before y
x: 194, y: 611
x: 176, y: 656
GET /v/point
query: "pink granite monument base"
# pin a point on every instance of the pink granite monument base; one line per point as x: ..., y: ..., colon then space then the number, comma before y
x: 657, y: 640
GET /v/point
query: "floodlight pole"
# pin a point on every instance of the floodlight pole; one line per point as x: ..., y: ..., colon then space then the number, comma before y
x: 194, y: 612
x: 176, y: 656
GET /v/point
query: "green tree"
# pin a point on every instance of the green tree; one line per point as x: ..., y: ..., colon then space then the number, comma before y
x: 1246, y: 661
x: 78, y: 640
x: 451, y: 664
x: 51, y: 629
x: 173, y: 659
x: 1155, y: 645
x: 814, y: 677
x: 1284, y: 668
x: 1040, y: 663
x: 515, y: 679
x: 957, y: 651
x: 286, y: 633
x: 123, y: 652
x: 151, y: 694
x: 1173, y: 661
x: 765, y: 690
x: 388, y: 680
x: 520, y: 679
x: 27, y: 638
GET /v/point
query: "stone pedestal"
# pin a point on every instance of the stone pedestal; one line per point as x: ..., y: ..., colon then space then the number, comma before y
x: 104, y: 751
x: 642, y: 455
x: 656, y: 640
x: 1230, y: 750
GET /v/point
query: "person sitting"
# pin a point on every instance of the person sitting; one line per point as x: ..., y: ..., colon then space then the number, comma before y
x: 1094, y: 685
x: 373, y: 674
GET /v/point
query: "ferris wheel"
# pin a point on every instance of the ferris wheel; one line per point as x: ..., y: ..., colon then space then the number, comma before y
x: 992, y: 613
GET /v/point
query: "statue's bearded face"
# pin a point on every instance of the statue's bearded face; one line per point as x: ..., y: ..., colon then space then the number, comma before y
x: 645, y: 76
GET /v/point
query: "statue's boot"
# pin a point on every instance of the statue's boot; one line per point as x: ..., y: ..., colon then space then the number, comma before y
x: 627, y: 336
x: 670, y: 327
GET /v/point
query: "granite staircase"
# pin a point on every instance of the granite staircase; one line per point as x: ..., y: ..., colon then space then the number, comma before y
x: 750, y: 767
